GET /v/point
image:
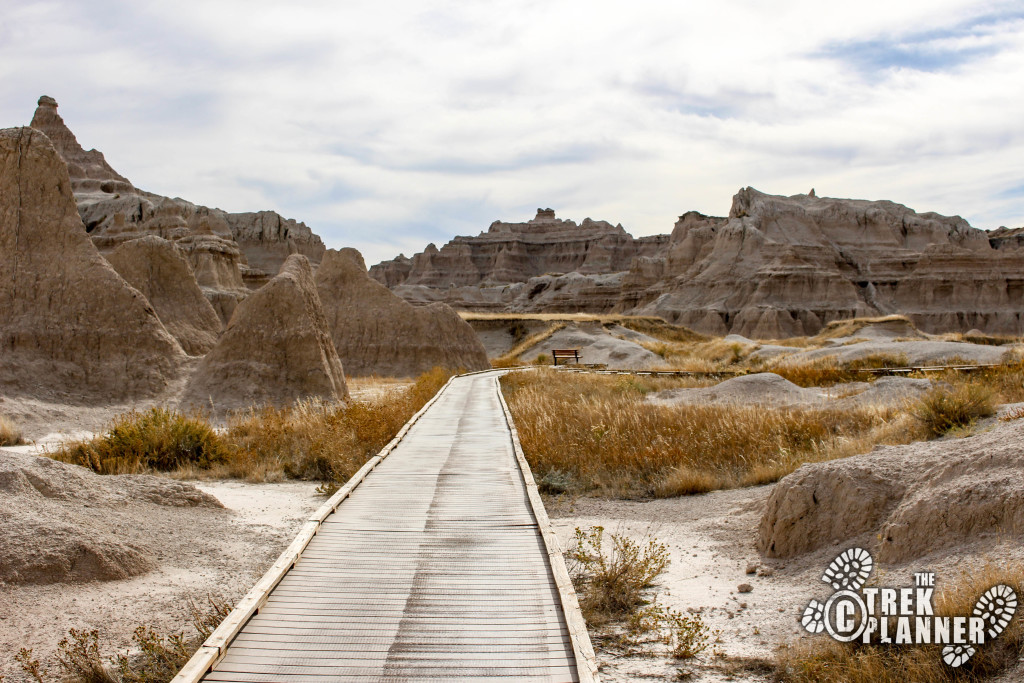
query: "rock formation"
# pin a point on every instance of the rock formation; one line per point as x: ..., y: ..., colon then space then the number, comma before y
x: 70, y: 327
x: 376, y: 332
x: 775, y: 267
x: 902, y: 502
x: 230, y: 253
x: 276, y: 349
x: 515, y: 252
x: 159, y: 270
x: 64, y: 524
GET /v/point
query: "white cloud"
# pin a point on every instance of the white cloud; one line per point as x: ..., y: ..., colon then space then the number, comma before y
x: 388, y: 124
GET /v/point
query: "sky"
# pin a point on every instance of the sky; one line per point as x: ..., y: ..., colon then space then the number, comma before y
x: 388, y: 124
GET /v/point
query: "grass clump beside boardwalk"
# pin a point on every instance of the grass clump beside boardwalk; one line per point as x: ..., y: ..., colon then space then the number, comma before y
x: 10, y: 434
x: 819, y: 659
x: 318, y: 441
x: 596, y: 433
x: 310, y: 440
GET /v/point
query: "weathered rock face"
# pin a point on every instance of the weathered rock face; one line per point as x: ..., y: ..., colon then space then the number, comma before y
x: 230, y: 253
x: 158, y: 269
x: 64, y: 524
x: 376, y: 332
x: 89, y: 171
x: 904, y: 502
x: 267, y: 240
x: 276, y: 349
x: 775, y: 267
x: 70, y: 327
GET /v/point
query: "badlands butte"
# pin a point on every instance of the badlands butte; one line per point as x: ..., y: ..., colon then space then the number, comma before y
x: 775, y: 267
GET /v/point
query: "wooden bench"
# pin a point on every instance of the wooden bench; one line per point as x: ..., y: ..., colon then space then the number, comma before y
x: 566, y: 355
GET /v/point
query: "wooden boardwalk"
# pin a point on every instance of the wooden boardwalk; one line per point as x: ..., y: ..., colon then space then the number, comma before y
x: 437, y: 566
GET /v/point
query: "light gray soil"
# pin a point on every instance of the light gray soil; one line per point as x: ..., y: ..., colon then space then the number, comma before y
x: 597, y: 346
x: 197, y: 551
x: 917, y: 352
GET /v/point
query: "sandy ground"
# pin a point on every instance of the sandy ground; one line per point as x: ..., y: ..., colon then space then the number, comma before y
x: 220, y: 552
x: 711, y: 540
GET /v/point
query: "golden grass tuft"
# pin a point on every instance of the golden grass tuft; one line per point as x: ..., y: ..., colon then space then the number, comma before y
x: 822, y: 660
x: 10, y: 433
x: 158, y: 439
x: 318, y: 441
x: 828, y: 371
x: 595, y: 433
x: 945, y: 408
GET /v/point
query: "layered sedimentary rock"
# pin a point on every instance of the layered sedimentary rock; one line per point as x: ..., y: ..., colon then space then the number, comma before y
x: 515, y: 252
x: 71, y: 328
x: 376, y: 332
x: 276, y: 349
x: 230, y: 253
x: 158, y: 269
x: 775, y: 267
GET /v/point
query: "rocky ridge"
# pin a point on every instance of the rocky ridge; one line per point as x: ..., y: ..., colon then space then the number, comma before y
x: 230, y: 252
x: 160, y: 271
x: 775, y: 267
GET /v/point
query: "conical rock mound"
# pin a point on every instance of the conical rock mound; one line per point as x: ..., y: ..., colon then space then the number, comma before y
x: 70, y: 327
x: 276, y: 349
x: 160, y: 271
x: 377, y: 332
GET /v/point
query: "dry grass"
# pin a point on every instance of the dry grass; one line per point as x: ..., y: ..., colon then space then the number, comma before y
x: 948, y: 407
x: 311, y: 440
x: 1006, y: 380
x: 156, y: 659
x: 829, y: 371
x: 595, y: 433
x: 712, y: 355
x: 158, y: 439
x: 822, y: 660
x: 10, y: 433
x: 511, y: 357
x: 615, y: 583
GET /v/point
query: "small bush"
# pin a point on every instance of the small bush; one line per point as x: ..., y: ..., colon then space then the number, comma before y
x: 10, y: 434
x: 158, y: 439
x: 611, y: 581
x: 946, y: 408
